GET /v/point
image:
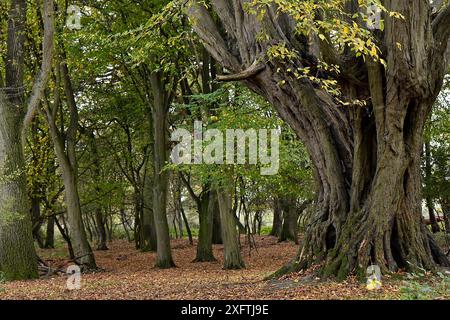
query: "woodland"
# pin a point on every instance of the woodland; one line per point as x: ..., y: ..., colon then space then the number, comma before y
x: 353, y: 97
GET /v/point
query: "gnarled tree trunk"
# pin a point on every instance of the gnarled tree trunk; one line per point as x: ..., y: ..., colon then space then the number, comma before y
x: 366, y: 159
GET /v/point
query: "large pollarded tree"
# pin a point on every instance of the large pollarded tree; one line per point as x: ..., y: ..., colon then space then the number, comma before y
x: 366, y: 154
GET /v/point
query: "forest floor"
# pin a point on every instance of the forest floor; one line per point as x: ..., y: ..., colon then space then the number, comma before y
x: 129, y: 274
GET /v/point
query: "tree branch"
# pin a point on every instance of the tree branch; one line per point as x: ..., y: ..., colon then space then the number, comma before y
x: 441, y: 28
x: 46, y: 65
x: 248, y: 73
x: 205, y: 27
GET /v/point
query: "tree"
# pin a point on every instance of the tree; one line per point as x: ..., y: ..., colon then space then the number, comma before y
x: 17, y: 254
x: 366, y: 154
x: 232, y: 251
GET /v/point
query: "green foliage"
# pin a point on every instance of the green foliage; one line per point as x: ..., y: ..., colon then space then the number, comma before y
x: 235, y: 107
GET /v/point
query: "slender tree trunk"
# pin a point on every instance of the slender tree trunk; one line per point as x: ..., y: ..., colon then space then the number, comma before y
x: 101, y: 230
x: 64, y: 234
x: 148, y: 235
x: 160, y: 177
x: 50, y: 233
x: 125, y: 224
x: 82, y: 250
x: 433, y: 221
x: 186, y: 223
x: 429, y: 201
x: 232, y: 251
x: 36, y: 220
x: 217, y: 225
x: 277, y: 223
x: 69, y: 167
x: 445, y: 205
x: 99, y: 218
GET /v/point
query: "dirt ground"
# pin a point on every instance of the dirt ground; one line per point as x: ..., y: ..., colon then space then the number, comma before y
x: 129, y: 274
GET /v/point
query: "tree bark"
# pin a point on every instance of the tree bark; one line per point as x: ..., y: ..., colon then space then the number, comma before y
x: 366, y: 159
x: 206, y: 215
x: 217, y: 225
x: 17, y: 254
x: 69, y: 167
x: 50, y: 233
x: 232, y: 251
x: 445, y: 205
x: 289, y: 229
x: 160, y: 109
x: 148, y: 231
x: 99, y: 218
x: 277, y: 219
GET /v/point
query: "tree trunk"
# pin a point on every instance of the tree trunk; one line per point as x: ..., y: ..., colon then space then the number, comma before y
x: 206, y: 213
x: 289, y: 229
x: 17, y: 254
x: 50, y: 233
x: 148, y: 231
x: 217, y: 225
x: 99, y: 219
x: 232, y: 251
x: 69, y: 167
x: 428, y: 198
x: 366, y: 160
x: 433, y: 221
x: 445, y: 205
x: 186, y: 223
x: 277, y: 219
x: 36, y: 220
x: 82, y: 250
x: 160, y: 177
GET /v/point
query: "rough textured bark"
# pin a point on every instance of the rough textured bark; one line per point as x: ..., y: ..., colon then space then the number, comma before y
x: 17, y: 254
x: 232, y: 251
x: 366, y: 159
